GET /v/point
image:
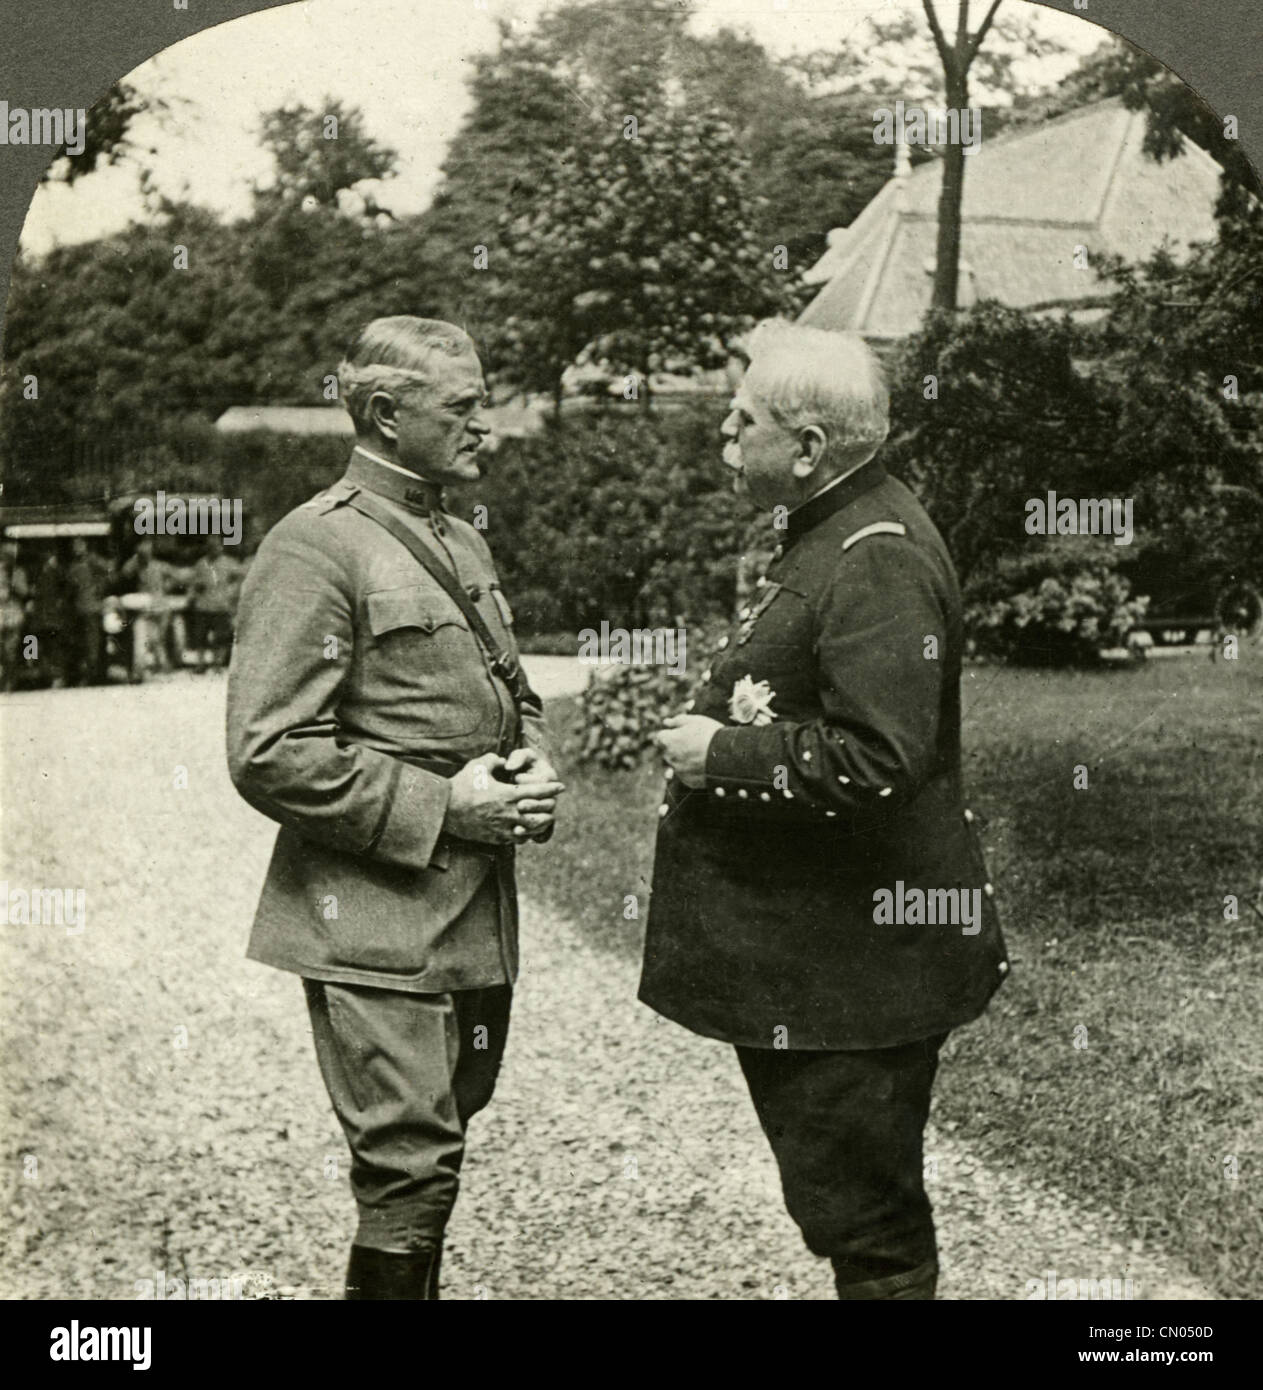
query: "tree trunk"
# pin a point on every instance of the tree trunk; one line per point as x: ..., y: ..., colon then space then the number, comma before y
x: 950, y: 203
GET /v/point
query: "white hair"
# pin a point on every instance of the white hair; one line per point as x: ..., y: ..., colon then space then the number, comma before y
x: 810, y: 376
x: 392, y: 354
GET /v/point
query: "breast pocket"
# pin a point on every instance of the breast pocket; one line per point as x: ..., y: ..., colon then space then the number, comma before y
x: 425, y: 661
x: 502, y: 605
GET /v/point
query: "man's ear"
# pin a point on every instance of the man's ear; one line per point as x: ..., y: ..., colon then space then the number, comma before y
x: 383, y: 414
x: 812, y: 443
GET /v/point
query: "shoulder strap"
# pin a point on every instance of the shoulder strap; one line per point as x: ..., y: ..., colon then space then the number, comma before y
x: 503, y: 663
x: 876, y: 528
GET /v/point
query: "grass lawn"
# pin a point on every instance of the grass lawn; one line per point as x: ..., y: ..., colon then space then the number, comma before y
x: 1112, y: 900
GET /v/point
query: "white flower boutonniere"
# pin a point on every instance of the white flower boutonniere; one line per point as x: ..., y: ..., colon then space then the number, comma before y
x: 751, y: 703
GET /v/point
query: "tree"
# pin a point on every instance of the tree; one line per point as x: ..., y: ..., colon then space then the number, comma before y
x: 957, y: 59
x: 634, y: 252
x: 107, y: 134
x: 320, y: 154
x: 810, y: 160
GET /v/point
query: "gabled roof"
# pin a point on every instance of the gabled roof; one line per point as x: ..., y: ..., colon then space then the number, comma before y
x: 1031, y: 198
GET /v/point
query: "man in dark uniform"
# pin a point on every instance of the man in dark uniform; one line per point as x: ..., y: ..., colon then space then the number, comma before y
x: 404, y: 759
x: 819, y: 894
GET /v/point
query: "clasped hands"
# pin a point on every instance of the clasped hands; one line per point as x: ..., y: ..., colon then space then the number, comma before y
x: 503, y: 801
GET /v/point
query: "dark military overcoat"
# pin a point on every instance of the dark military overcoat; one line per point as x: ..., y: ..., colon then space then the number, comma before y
x: 832, y: 792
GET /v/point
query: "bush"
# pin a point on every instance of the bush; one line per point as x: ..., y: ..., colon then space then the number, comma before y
x: 621, y: 710
x: 626, y: 517
x: 1057, y: 606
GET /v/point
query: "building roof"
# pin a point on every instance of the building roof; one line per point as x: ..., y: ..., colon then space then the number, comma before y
x: 286, y: 419
x: 1031, y: 198
x: 511, y: 420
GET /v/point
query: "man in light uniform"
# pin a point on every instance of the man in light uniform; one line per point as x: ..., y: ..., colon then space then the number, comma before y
x: 403, y: 761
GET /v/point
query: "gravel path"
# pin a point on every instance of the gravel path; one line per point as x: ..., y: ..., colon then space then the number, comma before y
x: 166, y: 1090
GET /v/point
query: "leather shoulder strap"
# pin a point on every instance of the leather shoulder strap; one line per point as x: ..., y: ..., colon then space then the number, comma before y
x: 502, y: 662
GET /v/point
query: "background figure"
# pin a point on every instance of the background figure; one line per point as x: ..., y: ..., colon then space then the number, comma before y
x: 50, y: 617
x: 12, y: 620
x: 147, y: 583
x: 215, y: 590
x: 19, y: 585
x: 88, y: 580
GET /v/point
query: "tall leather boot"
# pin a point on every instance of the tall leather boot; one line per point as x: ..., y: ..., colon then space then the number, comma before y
x: 434, y: 1273
x: 392, y: 1274
x: 852, y: 1284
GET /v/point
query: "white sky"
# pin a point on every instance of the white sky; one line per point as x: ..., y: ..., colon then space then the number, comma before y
x: 404, y: 63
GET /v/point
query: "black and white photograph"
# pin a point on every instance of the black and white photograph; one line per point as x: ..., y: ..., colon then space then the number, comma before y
x: 632, y: 666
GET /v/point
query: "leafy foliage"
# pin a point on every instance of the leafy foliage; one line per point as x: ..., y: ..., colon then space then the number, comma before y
x: 1058, y: 605
x: 621, y: 709
x: 1160, y: 402
x: 616, y: 515
x: 635, y: 253
x: 108, y: 136
x: 320, y: 154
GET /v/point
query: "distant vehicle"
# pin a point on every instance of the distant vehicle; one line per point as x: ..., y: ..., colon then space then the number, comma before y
x: 1196, y: 597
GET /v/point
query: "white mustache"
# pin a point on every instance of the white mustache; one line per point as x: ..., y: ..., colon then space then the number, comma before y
x: 732, y: 454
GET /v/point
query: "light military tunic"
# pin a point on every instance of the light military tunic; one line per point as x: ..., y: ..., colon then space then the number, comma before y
x: 356, y: 688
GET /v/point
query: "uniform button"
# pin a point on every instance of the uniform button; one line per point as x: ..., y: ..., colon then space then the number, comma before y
x: 885, y: 791
x: 723, y: 642
x: 807, y: 756
x: 1003, y: 967
x: 969, y: 816
x: 663, y: 809
x: 719, y: 791
x: 742, y: 793
x: 988, y: 890
x: 765, y: 796
x: 831, y: 814
x: 670, y: 772
x: 789, y: 795
x: 846, y: 781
